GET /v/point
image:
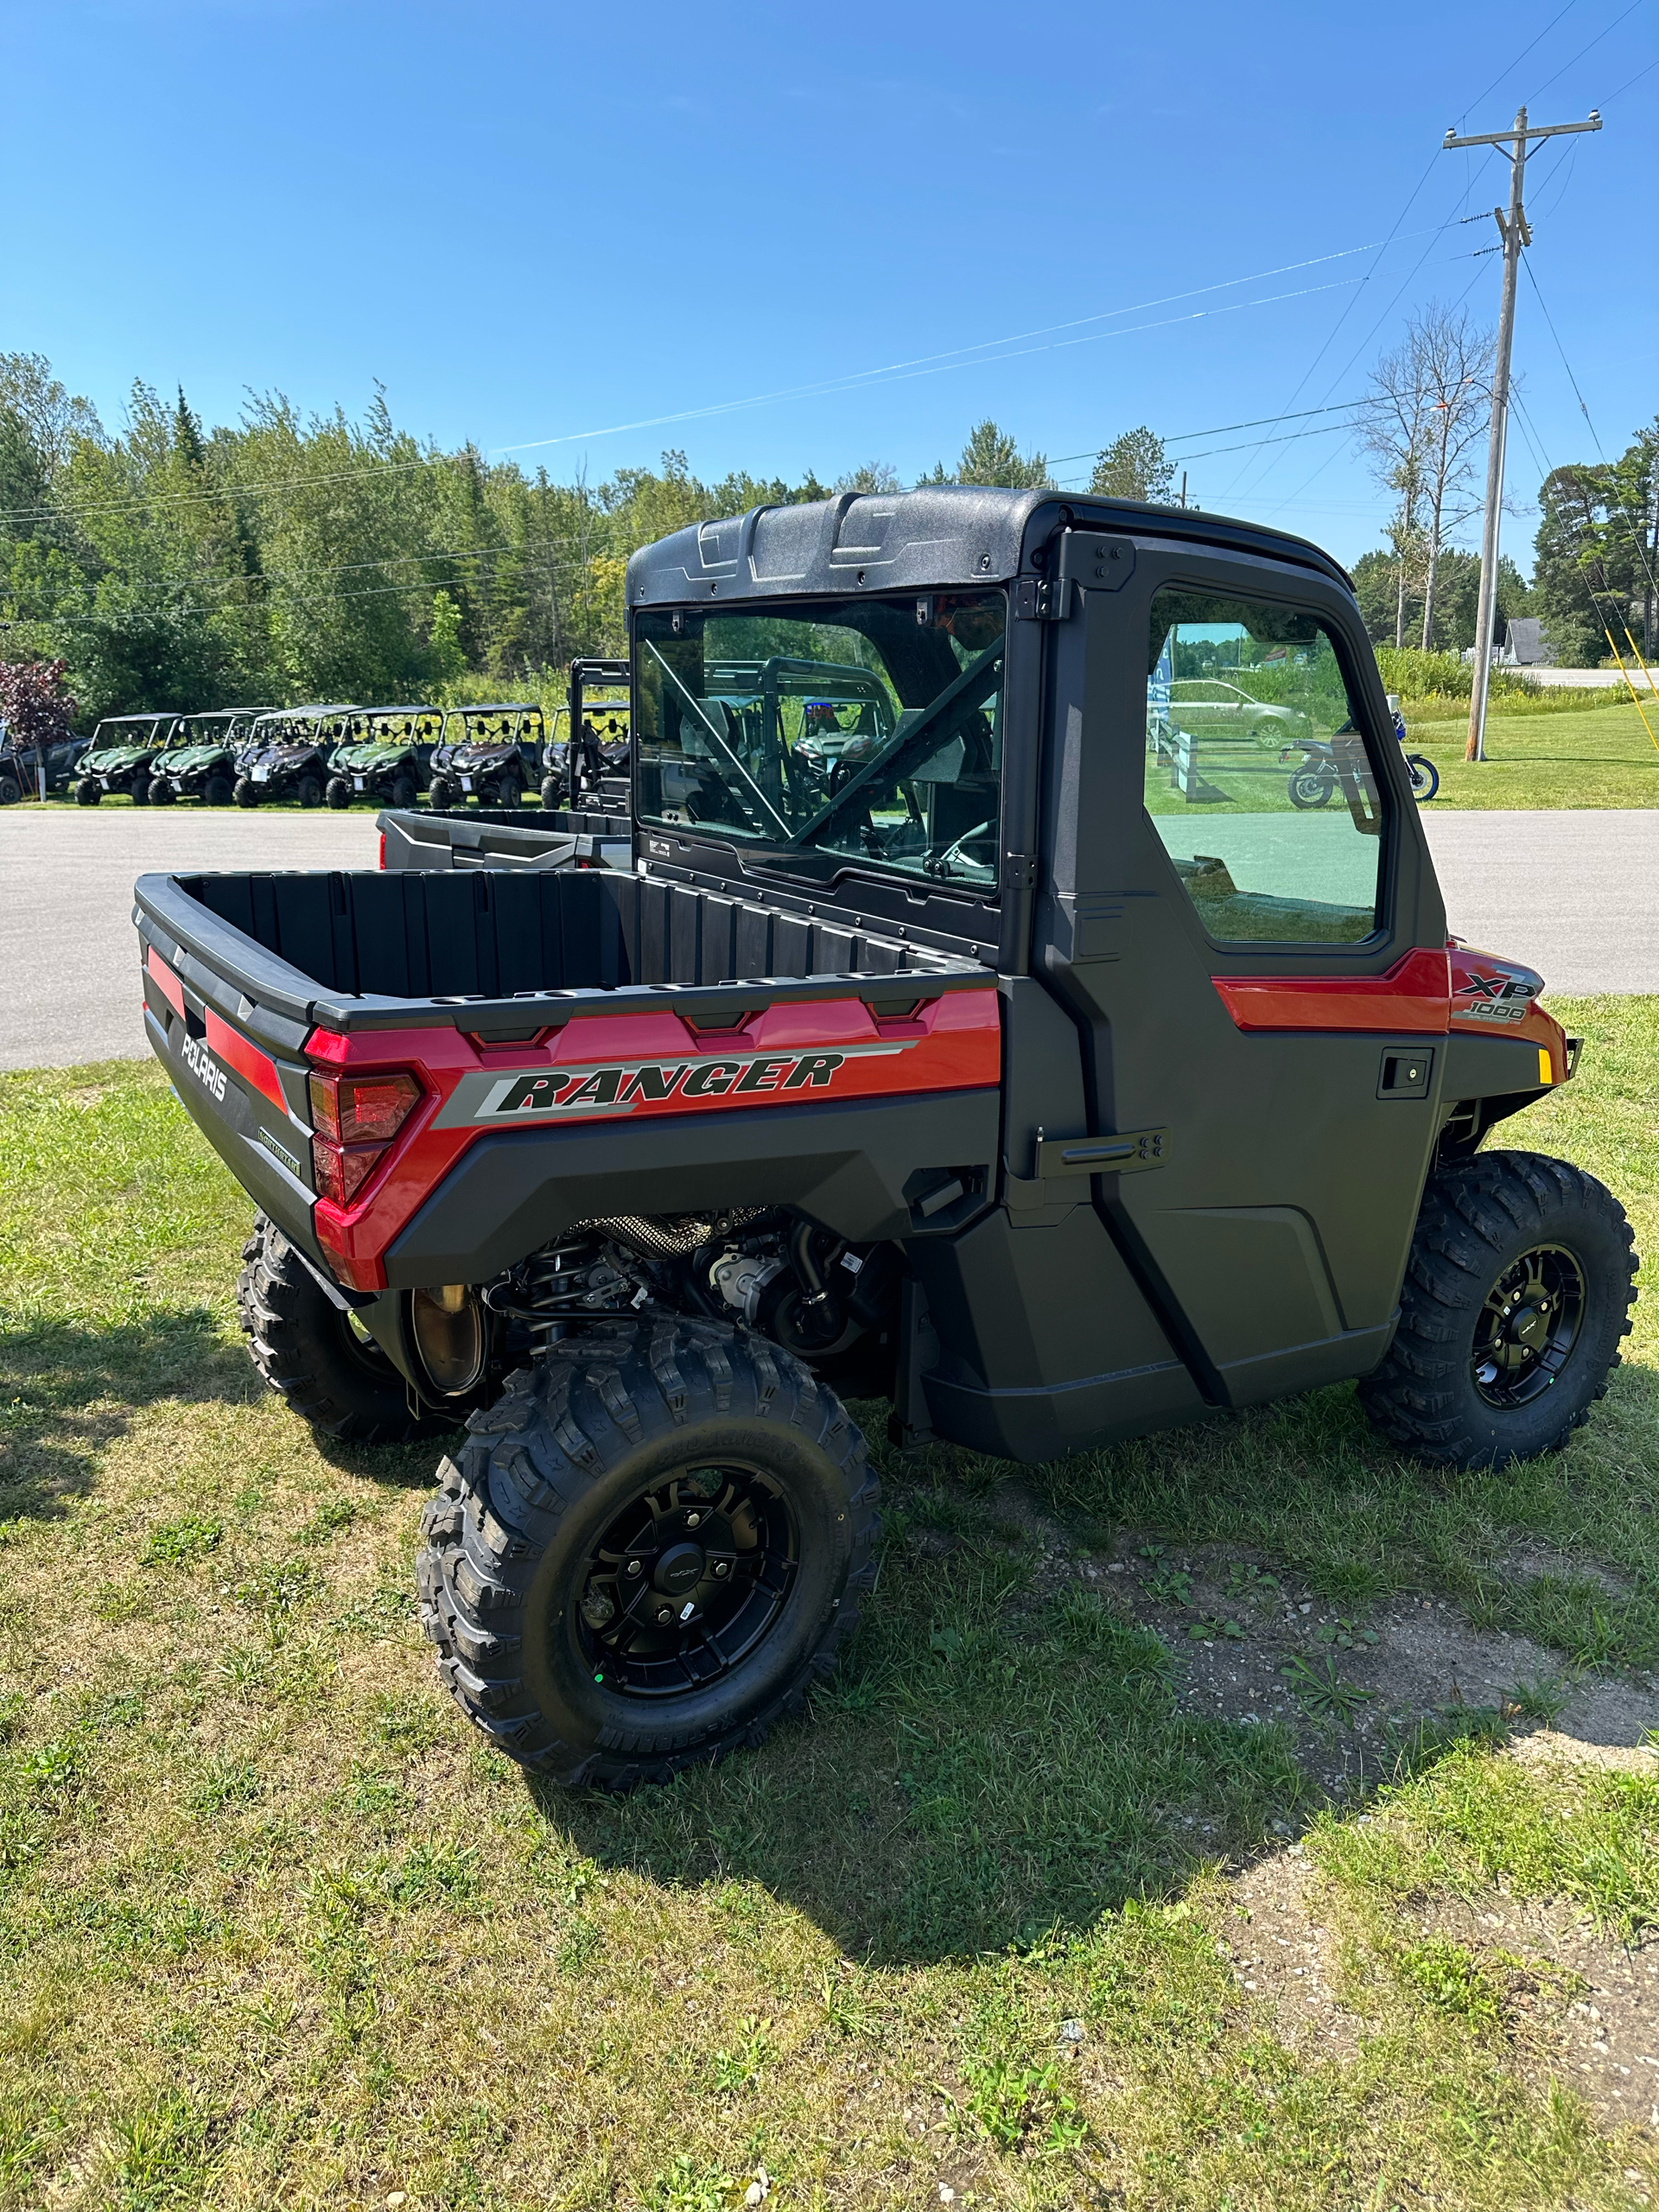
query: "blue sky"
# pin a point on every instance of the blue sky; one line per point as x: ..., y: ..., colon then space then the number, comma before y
x: 546, y: 227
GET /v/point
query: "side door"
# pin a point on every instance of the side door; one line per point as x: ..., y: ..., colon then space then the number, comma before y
x: 1263, y: 984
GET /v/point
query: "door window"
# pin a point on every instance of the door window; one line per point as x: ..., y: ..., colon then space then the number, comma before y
x: 1257, y: 779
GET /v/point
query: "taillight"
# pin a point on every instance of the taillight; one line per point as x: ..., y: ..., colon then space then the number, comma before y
x: 355, y: 1118
x: 382, y: 861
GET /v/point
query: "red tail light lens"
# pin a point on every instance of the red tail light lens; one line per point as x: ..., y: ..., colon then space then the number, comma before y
x: 355, y: 1118
x: 362, y: 1108
x: 383, y: 849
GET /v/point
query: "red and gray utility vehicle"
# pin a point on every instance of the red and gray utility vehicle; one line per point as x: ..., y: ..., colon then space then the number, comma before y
x: 1057, y: 1080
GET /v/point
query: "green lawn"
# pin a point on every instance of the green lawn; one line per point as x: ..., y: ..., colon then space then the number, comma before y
x: 1601, y: 756
x: 277, y: 1929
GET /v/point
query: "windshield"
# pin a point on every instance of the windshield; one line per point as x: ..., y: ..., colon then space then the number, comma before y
x: 871, y: 729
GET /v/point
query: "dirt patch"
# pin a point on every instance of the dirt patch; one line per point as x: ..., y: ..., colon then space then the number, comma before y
x: 1257, y: 1645
x: 1531, y: 1563
x: 1282, y: 1954
x: 1591, y: 2015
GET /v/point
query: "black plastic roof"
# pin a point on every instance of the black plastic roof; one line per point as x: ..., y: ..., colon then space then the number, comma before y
x: 939, y: 535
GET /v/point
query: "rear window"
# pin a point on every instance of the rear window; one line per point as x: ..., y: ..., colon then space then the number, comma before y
x: 871, y: 729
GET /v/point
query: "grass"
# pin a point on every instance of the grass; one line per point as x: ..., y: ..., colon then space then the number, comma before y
x: 276, y: 1928
x: 1541, y: 756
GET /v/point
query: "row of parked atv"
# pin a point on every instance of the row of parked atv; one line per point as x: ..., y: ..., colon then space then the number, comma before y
x: 389, y: 756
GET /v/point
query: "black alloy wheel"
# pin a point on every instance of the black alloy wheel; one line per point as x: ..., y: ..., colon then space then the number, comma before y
x: 646, y: 1551
x: 687, y: 1579
x: 1528, y: 1325
x: 1517, y: 1295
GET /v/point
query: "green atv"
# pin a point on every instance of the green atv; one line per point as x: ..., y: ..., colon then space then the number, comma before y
x: 386, y: 754
x: 198, y: 760
x: 121, y: 757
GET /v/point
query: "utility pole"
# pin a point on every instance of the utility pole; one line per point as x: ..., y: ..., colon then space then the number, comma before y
x: 1514, y: 231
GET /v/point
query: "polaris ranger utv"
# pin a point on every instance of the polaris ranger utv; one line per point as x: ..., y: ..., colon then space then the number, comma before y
x: 386, y: 754
x: 286, y: 755
x: 1062, y: 1085
x: 120, y: 757
x: 496, y: 752
x: 199, y: 759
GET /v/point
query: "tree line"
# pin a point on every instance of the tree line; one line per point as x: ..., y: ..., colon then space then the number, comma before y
x: 284, y: 558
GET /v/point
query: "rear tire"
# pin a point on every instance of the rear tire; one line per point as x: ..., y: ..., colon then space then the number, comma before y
x: 1447, y: 1391
x: 1309, y: 788
x: 339, y: 793
x: 309, y: 1354
x: 218, y: 791
x: 141, y: 792
x: 404, y: 792
x: 632, y: 1426
x: 246, y: 792
x: 88, y: 792
x: 309, y: 791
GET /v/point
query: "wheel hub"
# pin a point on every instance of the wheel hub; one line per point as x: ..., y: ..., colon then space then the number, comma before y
x: 1528, y: 1325
x: 686, y: 1581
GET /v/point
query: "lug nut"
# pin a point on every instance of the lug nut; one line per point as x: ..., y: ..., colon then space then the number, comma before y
x: 721, y: 1566
x: 692, y: 1519
x: 633, y: 1567
x: 664, y: 1613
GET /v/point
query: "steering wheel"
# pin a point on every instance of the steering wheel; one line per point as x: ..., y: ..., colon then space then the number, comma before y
x: 955, y: 854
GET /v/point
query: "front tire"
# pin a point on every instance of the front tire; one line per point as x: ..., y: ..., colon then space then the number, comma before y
x: 88, y: 792
x: 404, y: 793
x: 1517, y: 1295
x: 443, y: 792
x: 552, y: 794
x: 1425, y: 777
x: 717, y: 1463
x: 308, y: 1352
x: 246, y: 792
x: 339, y: 793
x: 12, y: 790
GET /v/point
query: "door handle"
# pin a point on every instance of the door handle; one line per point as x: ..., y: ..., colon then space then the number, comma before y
x: 1122, y: 1154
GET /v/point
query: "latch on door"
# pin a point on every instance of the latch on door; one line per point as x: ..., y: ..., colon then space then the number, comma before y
x: 1405, y: 1073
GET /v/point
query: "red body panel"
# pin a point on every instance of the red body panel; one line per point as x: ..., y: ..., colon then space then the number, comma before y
x: 784, y: 1056
x: 238, y: 1053
x: 1414, y: 996
x: 165, y: 981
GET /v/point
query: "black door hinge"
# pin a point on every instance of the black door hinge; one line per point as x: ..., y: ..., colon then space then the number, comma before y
x: 1018, y: 871
x: 1112, y: 1155
x: 1041, y: 599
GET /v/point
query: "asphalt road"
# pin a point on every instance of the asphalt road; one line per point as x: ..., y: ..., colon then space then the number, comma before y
x: 1576, y: 894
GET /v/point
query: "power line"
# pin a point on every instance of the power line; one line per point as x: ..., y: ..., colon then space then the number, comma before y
x: 1520, y: 58
x: 1583, y: 50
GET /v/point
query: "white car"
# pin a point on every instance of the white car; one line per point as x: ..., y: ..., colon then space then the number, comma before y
x: 1203, y: 703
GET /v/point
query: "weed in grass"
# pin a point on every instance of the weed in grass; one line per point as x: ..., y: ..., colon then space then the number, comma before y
x: 1018, y: 2103
x: 688, y: 2185
x: 434, y: 1873
x: 1344, y: 1634
x: 1449, y: 1976
x: 1543, y: 1699
x: 54, y: 1769
x: 1169, y: 1585
x: 581, y: 1940
x: 409, y: 1721
x: 224, y: 1782
x: 161, y: 2157
x: 327, y: 1520
x: 732, y: 2071
x: 281, y: 1587
x: 1322, y: 1691
x: 177, y: 1543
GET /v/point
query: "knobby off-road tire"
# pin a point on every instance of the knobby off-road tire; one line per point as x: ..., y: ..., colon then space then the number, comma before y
x: 338, y: 792
x: 12, y: 790
x: 309, y: 791
x: 444, y: 791
x: 404, y: 792
x: 308, y: 1351
x: 247, y: 791
x: 628, y: 1428
x: 88, y: 792
x: 1488, y: 1227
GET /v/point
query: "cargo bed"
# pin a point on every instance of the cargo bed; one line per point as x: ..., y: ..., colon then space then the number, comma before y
x: 540, y: 839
